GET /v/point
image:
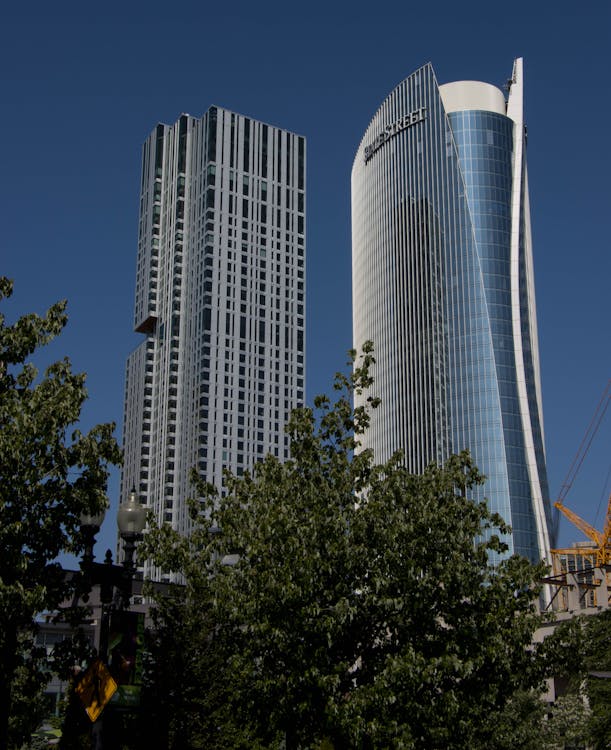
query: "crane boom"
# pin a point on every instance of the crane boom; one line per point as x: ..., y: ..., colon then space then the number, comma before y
x: 582, y: 525
x: 601, y: 540
x: 599, y: 413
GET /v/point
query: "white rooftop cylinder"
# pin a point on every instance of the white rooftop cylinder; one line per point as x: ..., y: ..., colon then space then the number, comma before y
x: 459, y: 96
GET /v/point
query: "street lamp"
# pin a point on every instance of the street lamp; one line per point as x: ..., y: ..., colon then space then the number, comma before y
x: 131, y: 520
x: 115, y: 582
x: 90, y: 525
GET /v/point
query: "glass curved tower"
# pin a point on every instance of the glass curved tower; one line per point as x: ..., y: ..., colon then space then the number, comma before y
x: 443, y: 286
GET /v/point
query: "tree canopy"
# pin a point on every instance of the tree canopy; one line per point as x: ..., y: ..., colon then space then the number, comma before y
x: 50, y: 473
x: 331, y: 602
x: 597, y: 663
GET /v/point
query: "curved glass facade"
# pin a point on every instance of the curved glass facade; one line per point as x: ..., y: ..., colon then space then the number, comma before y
x: 442, y: 283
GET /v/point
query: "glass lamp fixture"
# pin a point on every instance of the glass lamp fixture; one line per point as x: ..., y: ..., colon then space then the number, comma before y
x: 131, y: 520
x: 92, y: 520
x: 131, y: 517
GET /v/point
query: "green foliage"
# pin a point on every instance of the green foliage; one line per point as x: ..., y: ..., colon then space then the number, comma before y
x: 28, y: 707
x: 527, y: 723
x: 578, y: 652
x: 597, y: 642
x: 567, y: 724
x: 48, y: 477
x: 519, y: 724
x: 342, y: 603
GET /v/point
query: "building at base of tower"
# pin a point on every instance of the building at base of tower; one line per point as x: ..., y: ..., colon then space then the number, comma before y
x: 443, y: 285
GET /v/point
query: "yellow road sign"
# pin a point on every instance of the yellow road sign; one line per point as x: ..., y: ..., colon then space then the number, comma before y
x: 96, y: 688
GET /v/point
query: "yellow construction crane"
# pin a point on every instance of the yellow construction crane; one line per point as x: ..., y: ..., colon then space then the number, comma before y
x: 600, y: 550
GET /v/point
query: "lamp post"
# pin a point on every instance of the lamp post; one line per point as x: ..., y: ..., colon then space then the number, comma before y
x: 111, y: 579
x: 90, y: 525
x: 131, y: 520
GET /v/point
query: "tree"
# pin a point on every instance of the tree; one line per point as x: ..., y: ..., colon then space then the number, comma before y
x: 48, y: 478
x: 527, y: 723
x: 597, y: 652
x: 344, y: 603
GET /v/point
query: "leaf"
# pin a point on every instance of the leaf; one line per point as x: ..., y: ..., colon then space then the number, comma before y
x: 47, y: 480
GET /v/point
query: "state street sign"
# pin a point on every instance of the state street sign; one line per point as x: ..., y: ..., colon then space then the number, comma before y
x: 96, y: 688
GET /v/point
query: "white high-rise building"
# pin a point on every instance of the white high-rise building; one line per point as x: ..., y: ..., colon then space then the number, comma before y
x: 443, y: 285
x: 220, y: 302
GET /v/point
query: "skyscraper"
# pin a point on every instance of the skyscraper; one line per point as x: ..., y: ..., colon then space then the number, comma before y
x: 220, y: 295
x: 443, y: 285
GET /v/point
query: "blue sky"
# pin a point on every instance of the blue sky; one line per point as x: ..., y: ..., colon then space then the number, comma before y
x: 82, y: 85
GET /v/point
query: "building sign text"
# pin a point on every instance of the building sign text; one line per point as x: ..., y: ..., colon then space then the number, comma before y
x: 418, y: 115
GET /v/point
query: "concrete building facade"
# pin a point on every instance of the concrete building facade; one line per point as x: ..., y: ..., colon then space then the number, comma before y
x: 220, y: 303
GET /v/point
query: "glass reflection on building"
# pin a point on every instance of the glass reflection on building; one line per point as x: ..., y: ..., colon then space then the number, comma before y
x: 443, y: 285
